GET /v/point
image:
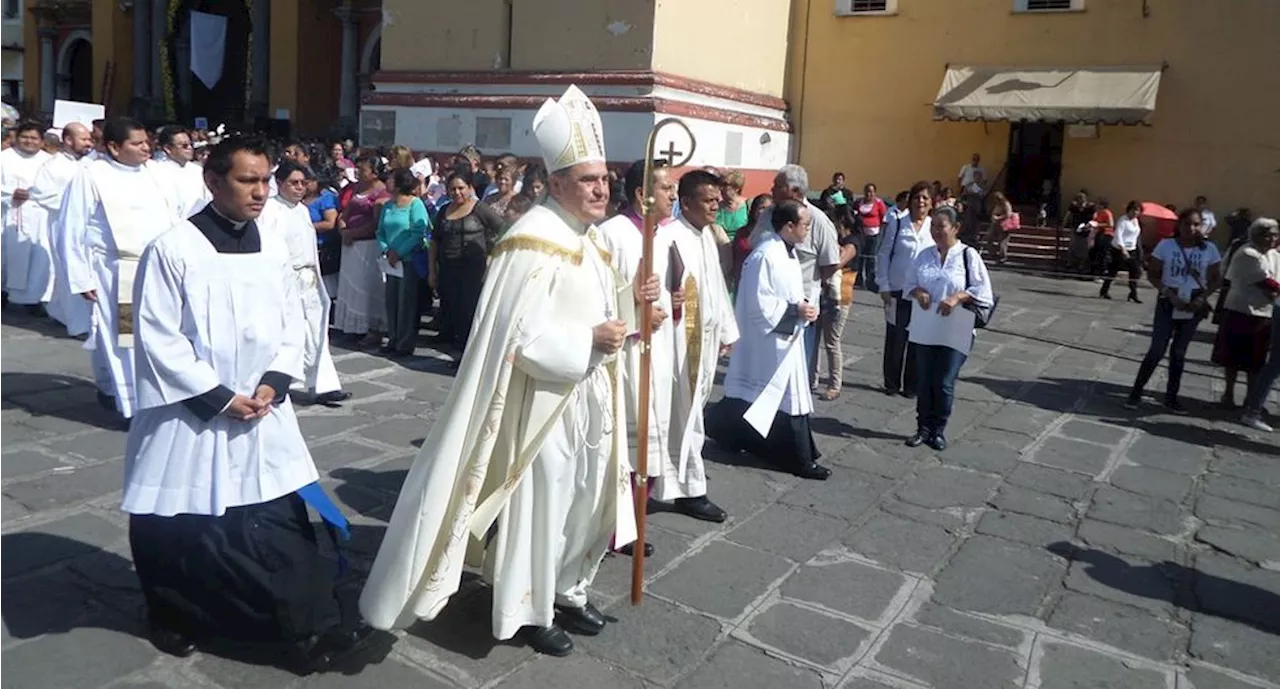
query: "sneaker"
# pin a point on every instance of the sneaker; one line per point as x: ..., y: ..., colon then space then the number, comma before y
x: 1255, y: 422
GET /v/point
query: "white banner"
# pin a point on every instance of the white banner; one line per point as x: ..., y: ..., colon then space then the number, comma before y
x: 208, y: 46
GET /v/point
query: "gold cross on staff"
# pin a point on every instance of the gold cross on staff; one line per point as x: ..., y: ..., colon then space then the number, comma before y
x: 671, y: 153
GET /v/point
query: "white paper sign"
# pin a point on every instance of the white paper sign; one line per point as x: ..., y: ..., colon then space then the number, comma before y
x: 68, y: 111
x: 954, y: 330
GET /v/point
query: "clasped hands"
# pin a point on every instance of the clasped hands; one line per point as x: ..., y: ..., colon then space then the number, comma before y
x: 945, y: 307
x: 251, y: 408
x: 648, y: 292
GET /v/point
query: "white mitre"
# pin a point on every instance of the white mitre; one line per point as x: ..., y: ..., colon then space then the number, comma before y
x: 569, y: 131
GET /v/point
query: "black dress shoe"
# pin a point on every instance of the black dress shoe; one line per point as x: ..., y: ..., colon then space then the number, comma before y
x: 701, y: 508
x: 332, y: 397
x: 630, y: 549
x: 168, y: 641
x: 331, y: 646
x: 106, y: 401
x: 814, y: 471
x: 909, y: 394
x: 1134, y: 298
x: 938, y: 442
x: 918, y: 439
x: 586, y: 620
x: 552, y: 641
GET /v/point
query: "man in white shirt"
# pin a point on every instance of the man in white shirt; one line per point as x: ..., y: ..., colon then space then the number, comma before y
x: 22, y: 220
x: 1207, y: 217
x: 818, y: 251
x: 972, y: 182
x: 218, y: 477
x: 47, y: 192
x: 188, y: 193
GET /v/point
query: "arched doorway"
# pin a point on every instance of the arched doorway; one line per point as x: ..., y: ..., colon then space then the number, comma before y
x: 227, y: 101
x: 75, y: 68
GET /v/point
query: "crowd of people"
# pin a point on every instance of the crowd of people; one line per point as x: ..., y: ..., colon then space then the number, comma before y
x: 209, y: 270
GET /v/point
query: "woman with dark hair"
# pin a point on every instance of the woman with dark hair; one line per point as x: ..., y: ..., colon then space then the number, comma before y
x: 1185, y: 269
x: 465, y: 233
x: 907, y: 235
x: 402, y: 227
x: 1126, y: 250
x: 742, y: 242
x: 361, y: 309
x: 535, y: 182
x: 942, y: 280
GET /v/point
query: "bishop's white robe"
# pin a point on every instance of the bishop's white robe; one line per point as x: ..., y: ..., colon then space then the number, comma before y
x: 49, y: 189
x: 23, y: 223
x: 292, y: 223
x: 185, y: 186
x: 110, y: 213
x: 524, y: 472
x: 706, y: 323
x: 770, y: 290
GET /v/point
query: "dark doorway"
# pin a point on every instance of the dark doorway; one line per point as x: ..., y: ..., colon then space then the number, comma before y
x: 1035, y: 156
x: 227, y: 101
x: 80, y: 72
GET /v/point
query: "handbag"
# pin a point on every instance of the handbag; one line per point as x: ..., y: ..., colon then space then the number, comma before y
x: 1204, y: 309
x: 982, y: 314
x: 1011, y: 222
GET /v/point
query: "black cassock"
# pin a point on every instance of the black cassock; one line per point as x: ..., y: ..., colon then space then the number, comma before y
x: 256, y: 574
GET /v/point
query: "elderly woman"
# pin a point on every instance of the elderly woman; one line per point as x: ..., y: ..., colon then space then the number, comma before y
x: 1185, y: 269
x: 1244, y: 336
x: 1266, y: 379
x: 505, y: 181
x: 944, y: 281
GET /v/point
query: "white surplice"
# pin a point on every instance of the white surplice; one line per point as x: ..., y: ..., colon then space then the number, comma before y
x: 206, y: 319
x: 22, y: 222
x: 293, y: 224
x: 185, y: 185
x: 49, y: 190
x: 110, y: 213
x: 530, y: 442
x: 770, y: 289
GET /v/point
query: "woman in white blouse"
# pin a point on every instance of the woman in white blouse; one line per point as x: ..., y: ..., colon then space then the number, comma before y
x: 1126, y: 250
x: 944, y: 281
x: 900, y: 242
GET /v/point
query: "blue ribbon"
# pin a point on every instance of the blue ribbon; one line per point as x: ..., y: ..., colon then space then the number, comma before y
x: 334, y: 520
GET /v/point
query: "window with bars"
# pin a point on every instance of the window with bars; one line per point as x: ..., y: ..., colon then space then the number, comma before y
x: 864, y: 7
x: 1048, y: 5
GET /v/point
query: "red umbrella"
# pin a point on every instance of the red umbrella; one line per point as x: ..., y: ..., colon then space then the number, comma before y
x: 1157, y: 223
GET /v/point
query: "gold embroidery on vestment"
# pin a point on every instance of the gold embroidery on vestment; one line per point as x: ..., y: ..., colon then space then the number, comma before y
x: 542, y: 246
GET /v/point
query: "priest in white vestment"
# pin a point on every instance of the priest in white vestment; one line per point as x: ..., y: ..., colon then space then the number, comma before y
x: 22, y: 220
x: 286, y: 217
x: 524, y: 475
x: 767, y: 402
x: 217, y: 475
x: 48, y: 190
x: 624, y: 235
x: 185, y: 179
x: 113, y: 208
x: 701, y: 329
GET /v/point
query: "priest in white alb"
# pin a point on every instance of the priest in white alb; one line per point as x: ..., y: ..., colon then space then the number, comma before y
x: 48, y: 190
x: 23, y: 221
x: 185, y: 179
x: 286, y: 217
x: 524, y: 475
x: 767, y: 401
x: 701, y: 329
x: 624, y: 235
x: 113, y: 208
x: 218, y: 478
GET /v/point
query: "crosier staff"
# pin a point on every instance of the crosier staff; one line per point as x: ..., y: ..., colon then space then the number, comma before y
x: 641, y: 476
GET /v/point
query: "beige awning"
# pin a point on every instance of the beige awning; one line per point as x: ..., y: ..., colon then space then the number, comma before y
x: 1106, y: 95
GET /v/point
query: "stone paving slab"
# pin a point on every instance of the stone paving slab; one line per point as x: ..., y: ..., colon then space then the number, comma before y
x: 1061, y: 542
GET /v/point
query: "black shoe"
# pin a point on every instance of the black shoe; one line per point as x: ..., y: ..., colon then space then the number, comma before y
x: 630, y: 549
x: 552, y: 641
x: 918, y: 439
x: 909, y: 394
x: 168, y: 641
x: 814, y: 471
x: 890, y: 391
x: 332, y: 398
x: 106, y: 401
x: 586, y: 620
x: 1132, y: 403
x: 701, y: 508
x: 1133, y: 297
x: 1104, y: 295
x: 1173, y: 405
x: 332, y: 646
x: 938, y: 442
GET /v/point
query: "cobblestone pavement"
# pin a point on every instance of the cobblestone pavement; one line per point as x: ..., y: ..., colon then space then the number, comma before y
x: 1061, y: 542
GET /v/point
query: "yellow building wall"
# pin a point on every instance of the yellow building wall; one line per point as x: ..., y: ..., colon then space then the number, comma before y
x: 863, y: 88
x: 282, y: 82
x: 434, y: 36
x: 581, y: 35
x: 738, y: 43
x: 112, y: 31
